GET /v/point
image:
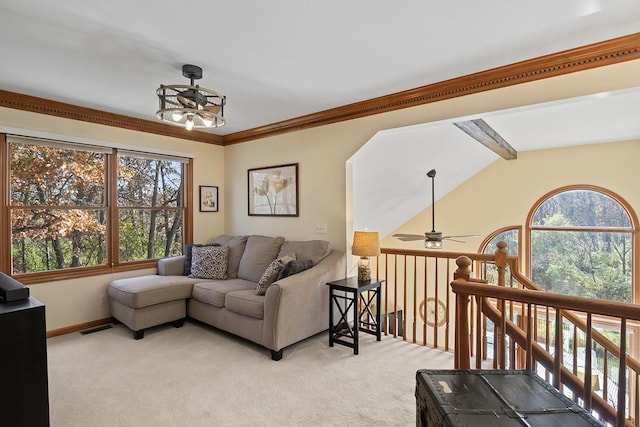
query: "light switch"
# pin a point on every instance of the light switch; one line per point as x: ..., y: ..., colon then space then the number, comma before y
x: 321, y: 228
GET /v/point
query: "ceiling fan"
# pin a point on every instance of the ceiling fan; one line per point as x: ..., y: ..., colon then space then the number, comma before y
x: 432, y: 239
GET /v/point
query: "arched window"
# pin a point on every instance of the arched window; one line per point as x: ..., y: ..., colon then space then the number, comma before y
x: 509, y: 235
x: 581, y: 243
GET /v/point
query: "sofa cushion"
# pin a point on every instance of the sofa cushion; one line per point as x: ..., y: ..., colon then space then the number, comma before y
x: 236, y: 246
x: 188, y: 251
x: 214, y: 292
x: 271, y: 273
x: 257, y: 256
x: 315, y: 250
x: 294, y: 267
x: 143, y: 291
x: 209, y: 262
x: 246, y: 303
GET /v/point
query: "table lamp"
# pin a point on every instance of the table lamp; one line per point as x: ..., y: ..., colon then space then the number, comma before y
x: 365, y: 244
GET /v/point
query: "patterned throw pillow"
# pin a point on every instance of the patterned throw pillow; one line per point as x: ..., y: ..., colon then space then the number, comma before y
x: 209, y: 262
x: 188, y: 249
x: 271, y: 273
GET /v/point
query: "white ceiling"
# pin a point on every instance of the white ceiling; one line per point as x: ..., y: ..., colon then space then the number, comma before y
x: 276, y: 60
x: 384, y: 165
x: 280, y: 59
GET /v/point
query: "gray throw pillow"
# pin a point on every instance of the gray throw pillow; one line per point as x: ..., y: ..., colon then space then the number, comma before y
x: 236, y: 246
x: 271, y: 273
x: 315, y: 250
x: 294, y: 267
x: 209, y: 262
x: 258, y: 254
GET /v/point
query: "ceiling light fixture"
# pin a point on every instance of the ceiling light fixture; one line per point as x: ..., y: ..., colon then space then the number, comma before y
x: 191, y: 106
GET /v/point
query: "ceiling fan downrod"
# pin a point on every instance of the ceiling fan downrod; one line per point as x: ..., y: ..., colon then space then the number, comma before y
x: 432, y: 174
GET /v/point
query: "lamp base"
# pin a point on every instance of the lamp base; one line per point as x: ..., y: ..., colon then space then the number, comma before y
x: 364, y: 269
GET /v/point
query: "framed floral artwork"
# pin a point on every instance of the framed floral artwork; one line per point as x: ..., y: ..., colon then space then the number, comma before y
x: 208, y: 198
x: 273, y: 191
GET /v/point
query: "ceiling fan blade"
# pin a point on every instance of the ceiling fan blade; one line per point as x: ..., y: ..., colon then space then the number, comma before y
x: 461, y: 235
x: 454, y: 240
x: 409, y: 237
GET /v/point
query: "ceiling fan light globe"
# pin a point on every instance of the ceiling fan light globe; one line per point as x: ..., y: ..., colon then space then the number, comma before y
x: 433, y: 240
x: 433, y: 244
x: 189, y: 123
x: 177, y: 116
x: 207, y: 121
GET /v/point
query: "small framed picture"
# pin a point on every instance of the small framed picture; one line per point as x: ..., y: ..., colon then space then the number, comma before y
x: 208, y: 198
x: 273, y: 191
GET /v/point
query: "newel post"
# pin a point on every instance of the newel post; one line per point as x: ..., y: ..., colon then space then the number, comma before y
x: 501, y: 262
x: 463, y: 352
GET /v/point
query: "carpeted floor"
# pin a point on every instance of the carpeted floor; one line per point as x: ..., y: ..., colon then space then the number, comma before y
x: 198, y: 376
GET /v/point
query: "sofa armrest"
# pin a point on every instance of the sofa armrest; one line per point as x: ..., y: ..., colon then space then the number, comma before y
x: 171, y: 266
x: 297, y: 306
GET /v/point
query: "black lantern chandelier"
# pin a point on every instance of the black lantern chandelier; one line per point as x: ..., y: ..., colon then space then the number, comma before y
x: 191, y: 106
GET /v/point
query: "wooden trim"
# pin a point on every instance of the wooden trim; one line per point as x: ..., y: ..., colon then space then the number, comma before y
x: 5, y: 219
x: 69, y: 111
x: 78, y: 327
x: 187, y: 215
x: 595, y: 55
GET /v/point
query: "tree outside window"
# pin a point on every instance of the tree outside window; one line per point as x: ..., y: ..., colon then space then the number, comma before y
x: 581, y: 244
x: 64, y: 214
x: 57, y: 205
x: 150, y: 207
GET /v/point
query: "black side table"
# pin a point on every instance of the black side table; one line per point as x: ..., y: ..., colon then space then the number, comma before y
x: 353, y: 293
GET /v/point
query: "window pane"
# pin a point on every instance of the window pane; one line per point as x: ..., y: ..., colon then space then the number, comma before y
x: 586, y: 264
x: 144, y: 182
x: 149, y: 234
x: 510, y: 237
x: 51, y: 176
x: 47, y: 239
x: 581, y: 208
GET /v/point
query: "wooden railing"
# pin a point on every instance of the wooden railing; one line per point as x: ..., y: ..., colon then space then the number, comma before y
x: 419, y: 306
x: 521, y: 341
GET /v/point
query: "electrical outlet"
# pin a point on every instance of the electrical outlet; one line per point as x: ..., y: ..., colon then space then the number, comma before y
x: 321, y: 228
x: 103, y: 300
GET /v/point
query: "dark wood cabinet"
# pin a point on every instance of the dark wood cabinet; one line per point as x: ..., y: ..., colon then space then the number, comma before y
x: 24, y: 385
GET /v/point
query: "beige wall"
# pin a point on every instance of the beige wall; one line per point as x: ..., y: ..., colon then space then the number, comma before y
x: 504, y: 193
x: 324, y: 185
x: 322, y: 152
x: 73, y: 302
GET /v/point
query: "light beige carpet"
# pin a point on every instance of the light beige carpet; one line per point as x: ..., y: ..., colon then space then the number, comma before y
x: 198, y: 376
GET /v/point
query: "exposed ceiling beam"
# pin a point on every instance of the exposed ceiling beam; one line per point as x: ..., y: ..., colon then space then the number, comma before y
x: 479, y: 130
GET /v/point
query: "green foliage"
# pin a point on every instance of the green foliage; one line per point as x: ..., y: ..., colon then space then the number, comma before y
x: 591, y: 263
x: 59, y: 209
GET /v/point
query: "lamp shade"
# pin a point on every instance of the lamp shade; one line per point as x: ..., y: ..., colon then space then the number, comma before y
x: 365, y: 243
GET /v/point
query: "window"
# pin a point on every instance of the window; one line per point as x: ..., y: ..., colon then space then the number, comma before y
x: 150, y: 207
x: 582, y: 244
x: 509, y: 235
x: 64, y: 215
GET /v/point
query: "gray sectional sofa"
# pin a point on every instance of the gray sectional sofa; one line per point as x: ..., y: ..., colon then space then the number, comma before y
x: 264, y: 289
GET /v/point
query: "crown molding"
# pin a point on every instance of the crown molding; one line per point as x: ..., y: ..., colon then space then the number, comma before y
x: 69, y: 111
x: 595, y: 55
